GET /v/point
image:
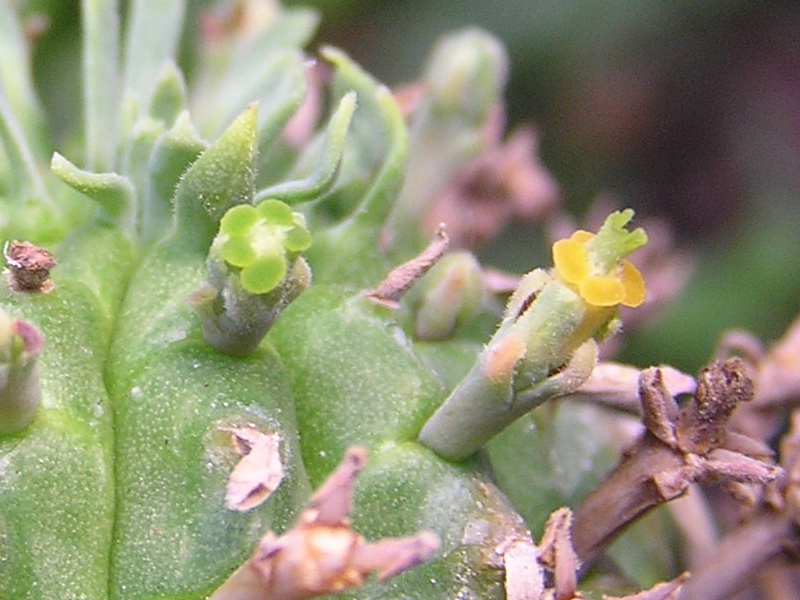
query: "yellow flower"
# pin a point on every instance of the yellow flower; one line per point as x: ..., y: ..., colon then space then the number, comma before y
x: 623, y: 285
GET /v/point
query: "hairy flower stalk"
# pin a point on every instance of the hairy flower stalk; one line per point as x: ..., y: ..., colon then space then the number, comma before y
x: 20, y: 346
x: 545, y: 345
x: 254, y: 271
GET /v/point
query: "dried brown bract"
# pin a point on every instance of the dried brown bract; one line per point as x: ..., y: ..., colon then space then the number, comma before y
x: 28, y: 267
x: 322, y: 555
x: 258, y: 473
x: 401, y: 278
x: 557, y: 555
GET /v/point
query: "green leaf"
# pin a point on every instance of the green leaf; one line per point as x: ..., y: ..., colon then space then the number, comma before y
x: 24, y: 171
x: 137, y: 148
x: 153, y: 32
x: 220, y: 178
x: 169, y: 97
x: 257, y: 66
x: 276, y: 82
x: 373, y: 168
x: 327, y: 161
x: 114, y: 193
x: 171, y: 155
x: 100, y: 21
x: 17, y: 82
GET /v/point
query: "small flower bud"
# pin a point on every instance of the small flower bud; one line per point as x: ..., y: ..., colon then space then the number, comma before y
x: 20, y: 346
x: 466, y: 73
x: 451, y: 293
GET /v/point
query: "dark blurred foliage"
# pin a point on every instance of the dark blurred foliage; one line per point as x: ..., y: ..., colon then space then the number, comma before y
x: 689, y: 110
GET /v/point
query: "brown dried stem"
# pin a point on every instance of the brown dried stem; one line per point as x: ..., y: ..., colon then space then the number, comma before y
x: 745, y: 551
x: 677, y: 449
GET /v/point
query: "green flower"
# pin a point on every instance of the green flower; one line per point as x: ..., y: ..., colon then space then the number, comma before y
x: 261, y: 241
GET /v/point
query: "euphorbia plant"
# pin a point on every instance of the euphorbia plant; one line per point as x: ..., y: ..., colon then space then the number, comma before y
x: 207, y: 312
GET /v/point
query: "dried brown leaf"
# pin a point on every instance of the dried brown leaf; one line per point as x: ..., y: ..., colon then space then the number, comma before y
x: 258, y: 473
x: 668, y: 590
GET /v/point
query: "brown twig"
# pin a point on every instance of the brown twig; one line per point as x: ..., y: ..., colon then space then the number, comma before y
x: 743, y: 552
x: 677, y: 449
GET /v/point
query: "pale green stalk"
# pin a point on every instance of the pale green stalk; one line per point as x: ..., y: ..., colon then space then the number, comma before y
x: 100, y: 21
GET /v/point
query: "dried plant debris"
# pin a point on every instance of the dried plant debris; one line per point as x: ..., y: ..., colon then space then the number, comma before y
x: 678, y: 448
x: 258, y: 473
x: 558, y: 557
x: 507, y: 182
x: 28, y: 267
x: 524, y: 575
x: 401, y: 278
x: 617, y: 386
x: 767, y: 540
x: 558, y: 553
x: 776, y: 373
x: 322, y: 555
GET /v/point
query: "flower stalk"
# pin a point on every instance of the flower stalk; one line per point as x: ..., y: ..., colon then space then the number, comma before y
x: 545, y: 345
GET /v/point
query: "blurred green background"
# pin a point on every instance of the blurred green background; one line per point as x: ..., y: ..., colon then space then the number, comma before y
x: 687, y: 110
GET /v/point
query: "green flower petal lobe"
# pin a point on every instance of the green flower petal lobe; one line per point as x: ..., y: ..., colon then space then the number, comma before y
x: 614, y: 242
x: 264, y: 275
x: 297, y: 239
x: 238, y: 252
x: 276, y: 212
x: 263, y: 241
x: 238, y: 220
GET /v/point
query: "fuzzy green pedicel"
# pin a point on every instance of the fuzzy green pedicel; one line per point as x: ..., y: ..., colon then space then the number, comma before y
x: 545, y: 345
